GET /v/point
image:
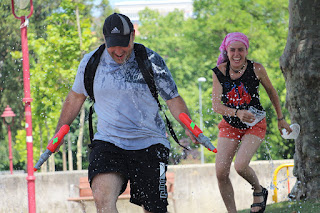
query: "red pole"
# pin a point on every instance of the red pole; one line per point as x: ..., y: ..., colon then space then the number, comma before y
x: 10, y: 150
x: 27, y: 100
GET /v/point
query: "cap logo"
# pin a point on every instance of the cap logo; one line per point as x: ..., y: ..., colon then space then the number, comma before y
x: 115, y: 30
x: 126, y: 28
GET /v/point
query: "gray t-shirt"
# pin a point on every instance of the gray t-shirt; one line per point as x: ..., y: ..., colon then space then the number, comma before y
x: 128, y: 115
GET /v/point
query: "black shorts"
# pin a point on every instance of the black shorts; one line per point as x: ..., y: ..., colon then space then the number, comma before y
x: 144, y: 168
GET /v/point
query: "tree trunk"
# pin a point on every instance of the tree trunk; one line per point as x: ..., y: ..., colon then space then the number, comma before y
x: 70, y: 159
x: 64, y: 154
x: 82, y: 112
x: 44, y: 165
x: 52, y: 165
x: 64, y: 157
x: 80, y: 138
x: 300, y: 64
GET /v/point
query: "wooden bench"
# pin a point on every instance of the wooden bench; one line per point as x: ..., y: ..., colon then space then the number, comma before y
x: 85, y: 193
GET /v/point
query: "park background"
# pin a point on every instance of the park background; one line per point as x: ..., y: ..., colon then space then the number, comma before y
x: 61, y: 32
x: 189, y: 46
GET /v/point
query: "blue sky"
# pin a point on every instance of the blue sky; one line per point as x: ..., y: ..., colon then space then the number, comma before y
x: 112, y: 2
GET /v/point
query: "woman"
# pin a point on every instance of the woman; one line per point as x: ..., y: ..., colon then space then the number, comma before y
x: 243, y: 127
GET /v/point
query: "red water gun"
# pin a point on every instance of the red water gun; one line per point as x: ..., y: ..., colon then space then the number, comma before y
x: 52, y: 146
x: 196, y: 131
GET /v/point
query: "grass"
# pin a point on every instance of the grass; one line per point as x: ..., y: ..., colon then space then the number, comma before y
x: 311, y: 206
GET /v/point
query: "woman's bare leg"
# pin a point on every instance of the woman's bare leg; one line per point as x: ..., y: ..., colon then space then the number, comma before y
x: 227, y: 149
x: 249, y: 146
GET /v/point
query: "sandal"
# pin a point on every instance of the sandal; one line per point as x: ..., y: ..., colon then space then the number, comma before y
x: 263, y: 204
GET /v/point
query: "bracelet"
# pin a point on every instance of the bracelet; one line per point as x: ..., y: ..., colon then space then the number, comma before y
x: 280, y: 119
x: 235, y: 114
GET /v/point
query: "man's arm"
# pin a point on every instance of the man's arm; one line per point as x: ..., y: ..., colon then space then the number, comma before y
x: 273, y: 96
x: 177, y: 106
x: 70, y: 110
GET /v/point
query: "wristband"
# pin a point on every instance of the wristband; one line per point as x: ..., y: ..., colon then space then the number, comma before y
x: 235, y: 114
x: 280, y: 119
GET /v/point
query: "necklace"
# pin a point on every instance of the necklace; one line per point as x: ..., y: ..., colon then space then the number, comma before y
x: 240, y: 70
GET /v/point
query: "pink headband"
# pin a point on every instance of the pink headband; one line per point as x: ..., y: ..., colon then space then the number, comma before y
x: 230, y: 38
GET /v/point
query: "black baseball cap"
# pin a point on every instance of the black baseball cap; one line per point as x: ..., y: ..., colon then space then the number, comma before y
x: 117, y: 29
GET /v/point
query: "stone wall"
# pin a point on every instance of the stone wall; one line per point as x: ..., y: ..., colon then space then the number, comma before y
x: 196, y: 190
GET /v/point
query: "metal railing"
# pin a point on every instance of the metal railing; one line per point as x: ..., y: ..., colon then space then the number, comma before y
x: 275, y: 173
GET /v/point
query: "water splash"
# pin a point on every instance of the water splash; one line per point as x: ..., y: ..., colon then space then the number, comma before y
x: 267, y: 144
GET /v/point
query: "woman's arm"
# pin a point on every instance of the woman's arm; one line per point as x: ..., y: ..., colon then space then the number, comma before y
x: 262, y: 75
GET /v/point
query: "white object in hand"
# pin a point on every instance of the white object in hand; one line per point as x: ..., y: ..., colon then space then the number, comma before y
x: 259, y: 115
x: 294, y: 134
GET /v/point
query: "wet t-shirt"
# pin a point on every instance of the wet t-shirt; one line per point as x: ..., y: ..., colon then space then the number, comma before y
x: 240, y: 93
x: 128, y: 115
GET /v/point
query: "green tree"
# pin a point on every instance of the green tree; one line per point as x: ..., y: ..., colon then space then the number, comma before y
x: 165, y: 35
x: 55, y: 64
x: 104, y: 10
x: 10, y: 79
x: 190, y: 48
x: 11, y: 75
x: 266, y: 25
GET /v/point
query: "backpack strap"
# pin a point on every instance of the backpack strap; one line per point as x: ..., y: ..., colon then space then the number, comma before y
x: 89, y: 74
x: 145, y: 67
x: 91, y: 69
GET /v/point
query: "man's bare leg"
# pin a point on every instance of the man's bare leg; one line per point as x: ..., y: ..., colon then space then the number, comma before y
x: 106, y: 188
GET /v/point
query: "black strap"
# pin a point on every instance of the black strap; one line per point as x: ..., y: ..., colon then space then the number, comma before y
x: 147, y: 72
x: 91, y: 69
x: 228, y: 69
x: 89, y: 74
x: 90, y: 122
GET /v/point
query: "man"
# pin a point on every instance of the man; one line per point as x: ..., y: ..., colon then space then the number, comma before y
x: 130, y: 143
